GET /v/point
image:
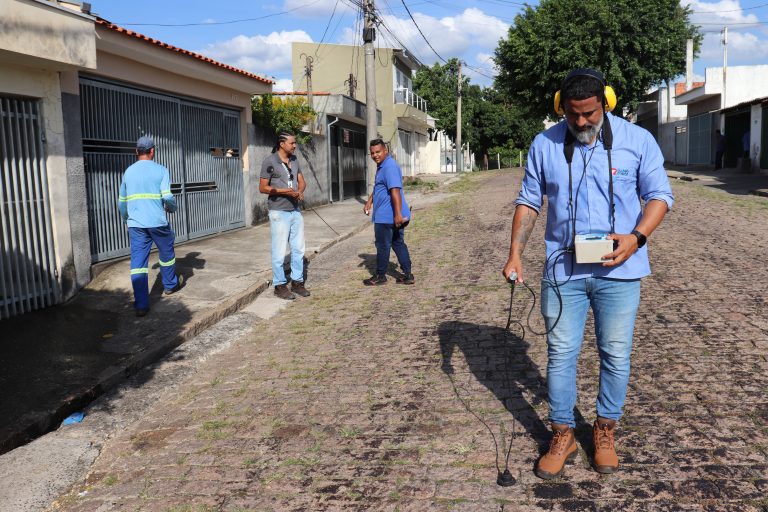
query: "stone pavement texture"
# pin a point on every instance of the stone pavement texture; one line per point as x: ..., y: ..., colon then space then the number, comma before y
x: 390, y: 397
x: 55, y: 361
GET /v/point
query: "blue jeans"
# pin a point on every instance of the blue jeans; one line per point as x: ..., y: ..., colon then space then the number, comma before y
x: 141, y: 243
x: 614, y: 304
x: 287, y: 228
x: 390, y: 237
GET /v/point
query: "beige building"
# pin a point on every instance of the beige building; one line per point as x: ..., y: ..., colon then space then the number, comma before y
x: 404, y: 120
x: 76, y: 91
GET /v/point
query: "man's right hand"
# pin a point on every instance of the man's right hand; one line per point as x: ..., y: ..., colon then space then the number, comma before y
x: 513, y: 265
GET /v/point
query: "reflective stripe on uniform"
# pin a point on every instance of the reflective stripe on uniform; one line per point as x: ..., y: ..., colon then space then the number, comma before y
x: 134, y: 197
x: 140, y: 271
x: 167, y: 263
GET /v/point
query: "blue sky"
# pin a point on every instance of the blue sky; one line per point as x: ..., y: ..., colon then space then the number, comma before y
x: 256, y: 35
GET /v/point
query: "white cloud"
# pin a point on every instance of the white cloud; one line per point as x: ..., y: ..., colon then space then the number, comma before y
x: 283, y: 85
x: 264, y: 55
x: 450, y: 36
x: 311, y: 9
x: 743, y: 47
x: 716, y: 13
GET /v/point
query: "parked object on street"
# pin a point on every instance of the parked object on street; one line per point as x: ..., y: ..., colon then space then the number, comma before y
x: 282, y: 180
x: 75, y: 417
x: 145, y: 197
x: 391, y: 214
x: 617, y: 165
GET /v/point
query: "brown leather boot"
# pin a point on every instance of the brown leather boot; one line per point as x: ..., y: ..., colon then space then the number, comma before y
x: 283, y: 292
x: 606, y: 461
x: 562, y: 448
x: 298, y: 288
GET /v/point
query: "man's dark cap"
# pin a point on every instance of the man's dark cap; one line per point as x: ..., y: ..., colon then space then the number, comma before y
x: 145, y: 143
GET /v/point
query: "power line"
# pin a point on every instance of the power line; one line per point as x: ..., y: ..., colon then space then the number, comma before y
x: 327, y: 26
x: 422, y: 33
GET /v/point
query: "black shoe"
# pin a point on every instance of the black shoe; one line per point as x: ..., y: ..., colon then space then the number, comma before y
x: 283, y: 292
x: 142, y: 312
x: 406, y: 279
x: 375, y: 280
x: 179, y: 285
x: 298, y: 288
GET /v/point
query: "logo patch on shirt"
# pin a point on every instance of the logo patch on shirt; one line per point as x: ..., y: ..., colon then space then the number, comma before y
x: 620, y: 172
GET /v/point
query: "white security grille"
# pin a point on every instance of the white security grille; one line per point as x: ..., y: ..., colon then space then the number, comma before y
x: 27, y: 258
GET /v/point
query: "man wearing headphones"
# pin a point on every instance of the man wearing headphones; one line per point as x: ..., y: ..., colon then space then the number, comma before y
x: 594, y: 168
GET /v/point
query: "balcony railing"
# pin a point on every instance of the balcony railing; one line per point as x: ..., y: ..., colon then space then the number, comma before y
x: 408, y: 97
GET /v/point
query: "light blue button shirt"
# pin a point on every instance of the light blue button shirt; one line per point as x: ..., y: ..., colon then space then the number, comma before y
x: 638, y: 173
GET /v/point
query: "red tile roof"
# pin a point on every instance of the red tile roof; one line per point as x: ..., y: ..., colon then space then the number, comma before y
x: 680, y: 87
x: 156, y: 42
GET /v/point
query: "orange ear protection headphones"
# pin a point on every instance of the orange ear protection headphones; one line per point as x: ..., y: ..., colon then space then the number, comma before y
x: 609, y: 95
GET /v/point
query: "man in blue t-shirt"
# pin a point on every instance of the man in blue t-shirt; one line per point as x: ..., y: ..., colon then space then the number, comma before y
x: 145, y: 196
x: 390, y: 216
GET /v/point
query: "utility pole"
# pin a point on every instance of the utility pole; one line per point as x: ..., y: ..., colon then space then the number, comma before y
x: 352, y: 82
x: 371, y: 120
x: 308, y: 74
x: 460, y: 150
x: 723, y: 103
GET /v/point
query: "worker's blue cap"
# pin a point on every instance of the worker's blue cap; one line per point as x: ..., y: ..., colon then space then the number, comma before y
x: 145, y: 143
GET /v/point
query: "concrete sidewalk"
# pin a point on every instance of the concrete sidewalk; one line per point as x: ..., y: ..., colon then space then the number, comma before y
x: 55, y: 361
x: 733, y: 181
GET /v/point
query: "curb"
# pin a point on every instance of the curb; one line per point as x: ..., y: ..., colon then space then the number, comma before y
x: 36, y: 424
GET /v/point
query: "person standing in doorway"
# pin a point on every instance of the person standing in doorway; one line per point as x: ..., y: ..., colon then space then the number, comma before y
x: 745, y: 144
x: 719, y: 149
x: 282, y: 180
x: 391, y: 215
x: 145, y: 197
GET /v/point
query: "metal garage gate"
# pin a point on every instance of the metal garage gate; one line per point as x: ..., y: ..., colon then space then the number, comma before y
x: 28, y: 278
x: 700, y: 133
x: 198, y: 143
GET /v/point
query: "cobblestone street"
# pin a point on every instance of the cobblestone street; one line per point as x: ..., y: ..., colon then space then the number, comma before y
x: 391, y: 397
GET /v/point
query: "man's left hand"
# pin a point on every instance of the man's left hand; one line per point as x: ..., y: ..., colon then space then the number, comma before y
x: 399, y: 220
x: 627, y: 245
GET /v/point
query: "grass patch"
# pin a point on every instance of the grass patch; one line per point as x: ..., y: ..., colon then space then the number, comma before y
x: 416, y: 184
x: 349, y: 432
x: 214, y: 429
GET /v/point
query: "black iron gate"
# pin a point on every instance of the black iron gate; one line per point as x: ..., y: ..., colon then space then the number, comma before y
x: 198, y: 143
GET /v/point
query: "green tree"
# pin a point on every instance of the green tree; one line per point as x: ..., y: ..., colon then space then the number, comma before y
x: 488, y: 119
x: 278, y: 114
x: 637, y: 44
x: 439, y: 86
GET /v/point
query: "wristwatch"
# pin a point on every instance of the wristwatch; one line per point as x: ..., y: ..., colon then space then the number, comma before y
x: 641, y: 239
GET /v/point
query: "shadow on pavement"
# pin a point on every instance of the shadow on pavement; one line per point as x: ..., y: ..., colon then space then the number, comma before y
x: 55, y: 361
x: 369, y: 263
x: 185, y: 268
x: 499, y: 360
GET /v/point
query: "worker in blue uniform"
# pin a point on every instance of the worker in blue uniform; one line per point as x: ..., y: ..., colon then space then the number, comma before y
x: 145, y: 197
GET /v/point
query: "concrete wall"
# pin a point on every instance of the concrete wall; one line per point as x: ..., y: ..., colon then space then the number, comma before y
x: 313, y: 158
x: 432, y: 157
x: 44, y: 35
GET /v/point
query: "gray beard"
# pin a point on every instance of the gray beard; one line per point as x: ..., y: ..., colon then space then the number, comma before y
x: 588, y: 135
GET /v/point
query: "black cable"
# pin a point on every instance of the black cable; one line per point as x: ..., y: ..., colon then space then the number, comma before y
x: 321, y: 218
x: 422, y: 33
